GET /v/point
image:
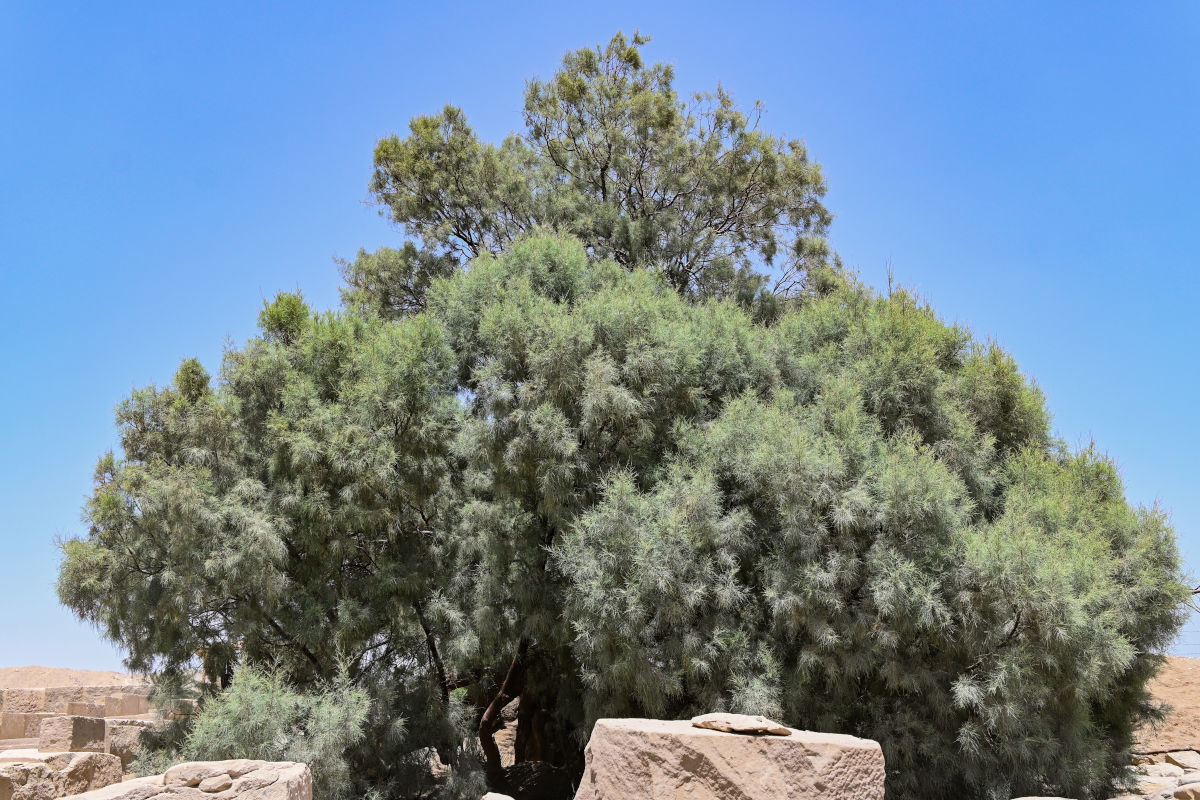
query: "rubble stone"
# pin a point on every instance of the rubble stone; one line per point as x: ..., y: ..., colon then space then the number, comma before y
x: 55, y: 775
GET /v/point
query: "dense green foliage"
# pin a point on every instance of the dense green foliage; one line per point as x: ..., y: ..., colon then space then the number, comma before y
x: 612, y: 155
x: 546, y: 455
x: 263, y: 717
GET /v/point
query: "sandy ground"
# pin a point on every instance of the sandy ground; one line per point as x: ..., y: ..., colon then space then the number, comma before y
x: 1178, y: 685
x: 38, y: 677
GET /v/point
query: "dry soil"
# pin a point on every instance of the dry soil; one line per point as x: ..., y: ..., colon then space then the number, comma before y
x: 38, y: 677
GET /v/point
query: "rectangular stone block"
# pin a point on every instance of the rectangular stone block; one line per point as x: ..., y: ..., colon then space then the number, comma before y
x: 24, y: 701
x: 86, y: 709
x: 126, y: 705
x: 122, y: 738
x: 72, y: 734
x: 14, y: 725
x: 665, y: 760
x: 58, y: 697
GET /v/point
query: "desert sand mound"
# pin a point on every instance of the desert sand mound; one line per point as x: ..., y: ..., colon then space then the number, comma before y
x: 1178, y: 685
x: 38, y: 677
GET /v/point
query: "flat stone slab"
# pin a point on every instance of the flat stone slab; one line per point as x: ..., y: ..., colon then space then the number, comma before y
x: 673, y: 760
x: 1185, y: 759
x: 740, y: 723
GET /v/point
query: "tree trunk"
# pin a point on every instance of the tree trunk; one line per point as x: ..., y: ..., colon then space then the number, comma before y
x: 490, y: 720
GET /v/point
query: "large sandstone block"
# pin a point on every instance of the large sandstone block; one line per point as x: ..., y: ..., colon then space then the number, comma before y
x: 126, y: 705
x: 15, y: 725
x: 23, y: 701
x: 122, y: 738
x: 46, y: 776
x: 672, y: 760
x: 72, y: 734
x: 85, y: 709
x: 59, y: 697
x: 218, y: 780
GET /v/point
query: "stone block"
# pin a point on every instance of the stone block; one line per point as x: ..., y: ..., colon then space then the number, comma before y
x: 59, y: 697
x: 122, y: 738
x: 15, y: 725
x: 672, y: 760
x: 72, y: 734
x: 55, y: 775
x: 23, y: 701
x: 85, y: 710
x: 126, y: 705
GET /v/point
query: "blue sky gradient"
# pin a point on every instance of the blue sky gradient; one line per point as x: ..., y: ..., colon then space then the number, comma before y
x: 1031, y: 170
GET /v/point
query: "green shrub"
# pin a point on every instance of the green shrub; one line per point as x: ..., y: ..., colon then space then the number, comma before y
x: 261, y: 717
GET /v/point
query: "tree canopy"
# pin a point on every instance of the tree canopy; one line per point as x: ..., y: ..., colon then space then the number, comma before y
x: 569, y: 445
x: 612, y: 155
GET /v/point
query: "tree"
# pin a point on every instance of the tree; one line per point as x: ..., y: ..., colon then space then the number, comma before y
x: 613, y: 156
x: 560, y: 474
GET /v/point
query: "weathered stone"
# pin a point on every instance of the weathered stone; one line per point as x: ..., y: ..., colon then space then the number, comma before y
x: 122, y: 737
x: 258, y: 779
x: 23, y: 701
x: 740, y: 723
x: 242, y: 780
x: 192, y: 772
x: 1162, y: 770
x: 1188, y: 759
x: 134, y: 789
x: 58, y: 775
x: 217, y: 783
x: 85, y: 709
x: 506, y: 742
x: 126, y: 705
x: 18, y: 725
x: 1189, y: 791
x: 59, y: 697
x: 661, y: 760
x: 74, y: 734
x: 1161, y: 785
x: 1147, y: 758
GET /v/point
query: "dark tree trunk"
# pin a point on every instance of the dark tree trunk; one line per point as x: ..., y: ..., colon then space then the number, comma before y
x: 530, y: 735
x: 490, y: 721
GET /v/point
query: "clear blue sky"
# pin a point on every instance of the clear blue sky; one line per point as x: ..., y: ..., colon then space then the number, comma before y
x: 1032, y: 169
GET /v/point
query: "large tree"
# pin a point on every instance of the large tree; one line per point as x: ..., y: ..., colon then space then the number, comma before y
x: 552, y: 455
